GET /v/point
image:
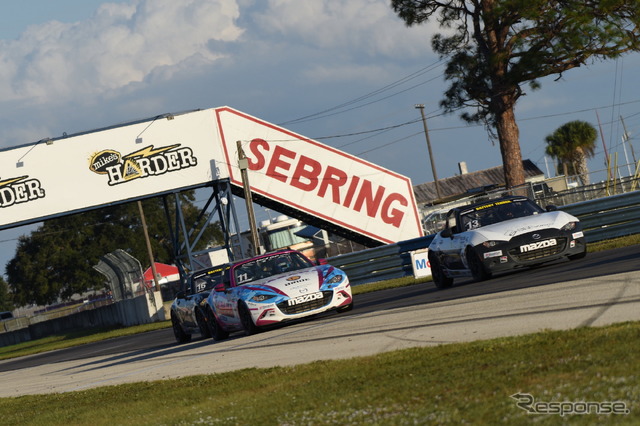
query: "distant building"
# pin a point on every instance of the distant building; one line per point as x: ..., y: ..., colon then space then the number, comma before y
x: 433, y: 210
x: 458, y: 185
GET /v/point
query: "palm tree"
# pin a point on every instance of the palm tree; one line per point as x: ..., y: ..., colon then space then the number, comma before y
x: 571, y: 144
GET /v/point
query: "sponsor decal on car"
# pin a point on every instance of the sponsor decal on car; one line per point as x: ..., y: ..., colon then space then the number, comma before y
x: 537, y: 245
x: 493, y: 254
x: 306, y: 298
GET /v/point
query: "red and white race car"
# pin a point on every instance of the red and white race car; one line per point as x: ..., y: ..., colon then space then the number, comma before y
x: 268, y: 289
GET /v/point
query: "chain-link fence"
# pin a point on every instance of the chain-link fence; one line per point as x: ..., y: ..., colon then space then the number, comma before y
x: 124, y: 274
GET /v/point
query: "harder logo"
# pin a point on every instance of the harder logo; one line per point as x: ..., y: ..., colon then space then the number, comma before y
x: 142, y: 163
x: 19, y: 190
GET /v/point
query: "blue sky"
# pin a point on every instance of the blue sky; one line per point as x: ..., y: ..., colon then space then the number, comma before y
x: 350, y: 66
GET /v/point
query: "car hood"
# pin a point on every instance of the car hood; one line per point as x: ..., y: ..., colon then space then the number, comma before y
x: 504, y: 231
x: 290, y: 283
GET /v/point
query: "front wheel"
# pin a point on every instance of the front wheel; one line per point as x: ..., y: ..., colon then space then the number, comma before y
x: 439, y: 278
x: 178, y: 332
x: 215, y: 330
x: 478, y: 270
x: 202, y: 324
x: 246, y: 320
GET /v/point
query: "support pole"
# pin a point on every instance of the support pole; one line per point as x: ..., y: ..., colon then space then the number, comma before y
x: 243, y: 164
x: 149, y: 251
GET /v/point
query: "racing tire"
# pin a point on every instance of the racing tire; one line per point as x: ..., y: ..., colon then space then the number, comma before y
x: 247, y: 322
x: 345, y: 308
x: 180, y: 335
x: 215, y: 329
x: 205, y: 330
x: 477, y: 268
x: 437, y: 274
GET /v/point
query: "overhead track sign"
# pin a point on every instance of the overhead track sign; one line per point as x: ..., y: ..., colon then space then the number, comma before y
x: 54, y: 177
x: 320, y: 180
x: 171, y: 152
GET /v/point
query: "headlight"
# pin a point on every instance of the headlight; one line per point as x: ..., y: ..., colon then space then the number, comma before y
x: 489, y: 244
x: 569, y: 226
x: 262, y: 297
x: 335, y: 279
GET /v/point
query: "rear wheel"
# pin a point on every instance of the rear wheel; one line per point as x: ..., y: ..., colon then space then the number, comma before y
x: 178, y: 332
x: 476, y: 266
x: 246, y: 320
x: 216, y: 331
x: 439, y: 278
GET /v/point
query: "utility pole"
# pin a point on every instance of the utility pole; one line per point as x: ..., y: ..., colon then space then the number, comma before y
x: 243, y: 164
x: 149, y: 251
x: 426, y: 134
x: 626, y: 138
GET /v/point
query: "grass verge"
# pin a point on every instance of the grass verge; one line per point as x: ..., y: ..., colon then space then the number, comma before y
x: 449, y: 384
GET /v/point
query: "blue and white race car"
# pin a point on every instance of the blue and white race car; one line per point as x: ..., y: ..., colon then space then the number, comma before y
x: 502, y: 234
x: 265, y: 290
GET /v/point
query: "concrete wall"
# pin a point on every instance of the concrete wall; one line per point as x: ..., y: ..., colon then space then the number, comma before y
x: 140, y: 310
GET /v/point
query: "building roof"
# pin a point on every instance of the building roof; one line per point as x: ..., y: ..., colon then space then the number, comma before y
x: 460, y: 184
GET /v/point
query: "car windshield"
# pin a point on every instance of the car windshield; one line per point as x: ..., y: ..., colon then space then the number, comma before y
x: 265, y: 267
x: 497, y: 211
x: 206, y: 280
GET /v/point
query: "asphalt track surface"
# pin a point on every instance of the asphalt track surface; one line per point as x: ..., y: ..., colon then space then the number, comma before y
x: 601, y: 289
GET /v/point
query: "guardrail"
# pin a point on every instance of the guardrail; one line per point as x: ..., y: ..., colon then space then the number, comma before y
x: 602, y: 219
x: 380, y: 263
x: 608, y: 217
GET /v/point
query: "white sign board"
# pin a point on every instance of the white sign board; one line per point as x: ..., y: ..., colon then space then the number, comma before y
x: 420, y: 262
x: 175, y: 152
x: 320, y: 180
x: 79, y: 172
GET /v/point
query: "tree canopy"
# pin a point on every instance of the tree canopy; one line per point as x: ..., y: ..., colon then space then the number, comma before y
x: 494, y: 47
x: 571, y: 144
x: 56, y: 260
x: 6, y: 303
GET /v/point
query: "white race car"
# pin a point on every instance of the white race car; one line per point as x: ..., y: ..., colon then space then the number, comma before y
x: 264, y: 290
x: 502, y: 234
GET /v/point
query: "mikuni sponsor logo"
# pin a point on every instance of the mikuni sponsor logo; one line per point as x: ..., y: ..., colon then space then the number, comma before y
x: 527, y: 402
x: 537, y: 245
x: 306, y: 298
x: 19, y: 190
x: 142, y: 163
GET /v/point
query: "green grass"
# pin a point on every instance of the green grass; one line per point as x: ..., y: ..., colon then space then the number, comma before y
x: 448, y: 384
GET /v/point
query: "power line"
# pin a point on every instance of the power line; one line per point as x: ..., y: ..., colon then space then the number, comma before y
x: 334, y: 110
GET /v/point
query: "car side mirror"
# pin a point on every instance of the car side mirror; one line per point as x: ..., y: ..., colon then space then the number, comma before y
x: 551, y: 208
x: 446, y: 233
x: 220, y: 288
x: 322, y: 261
